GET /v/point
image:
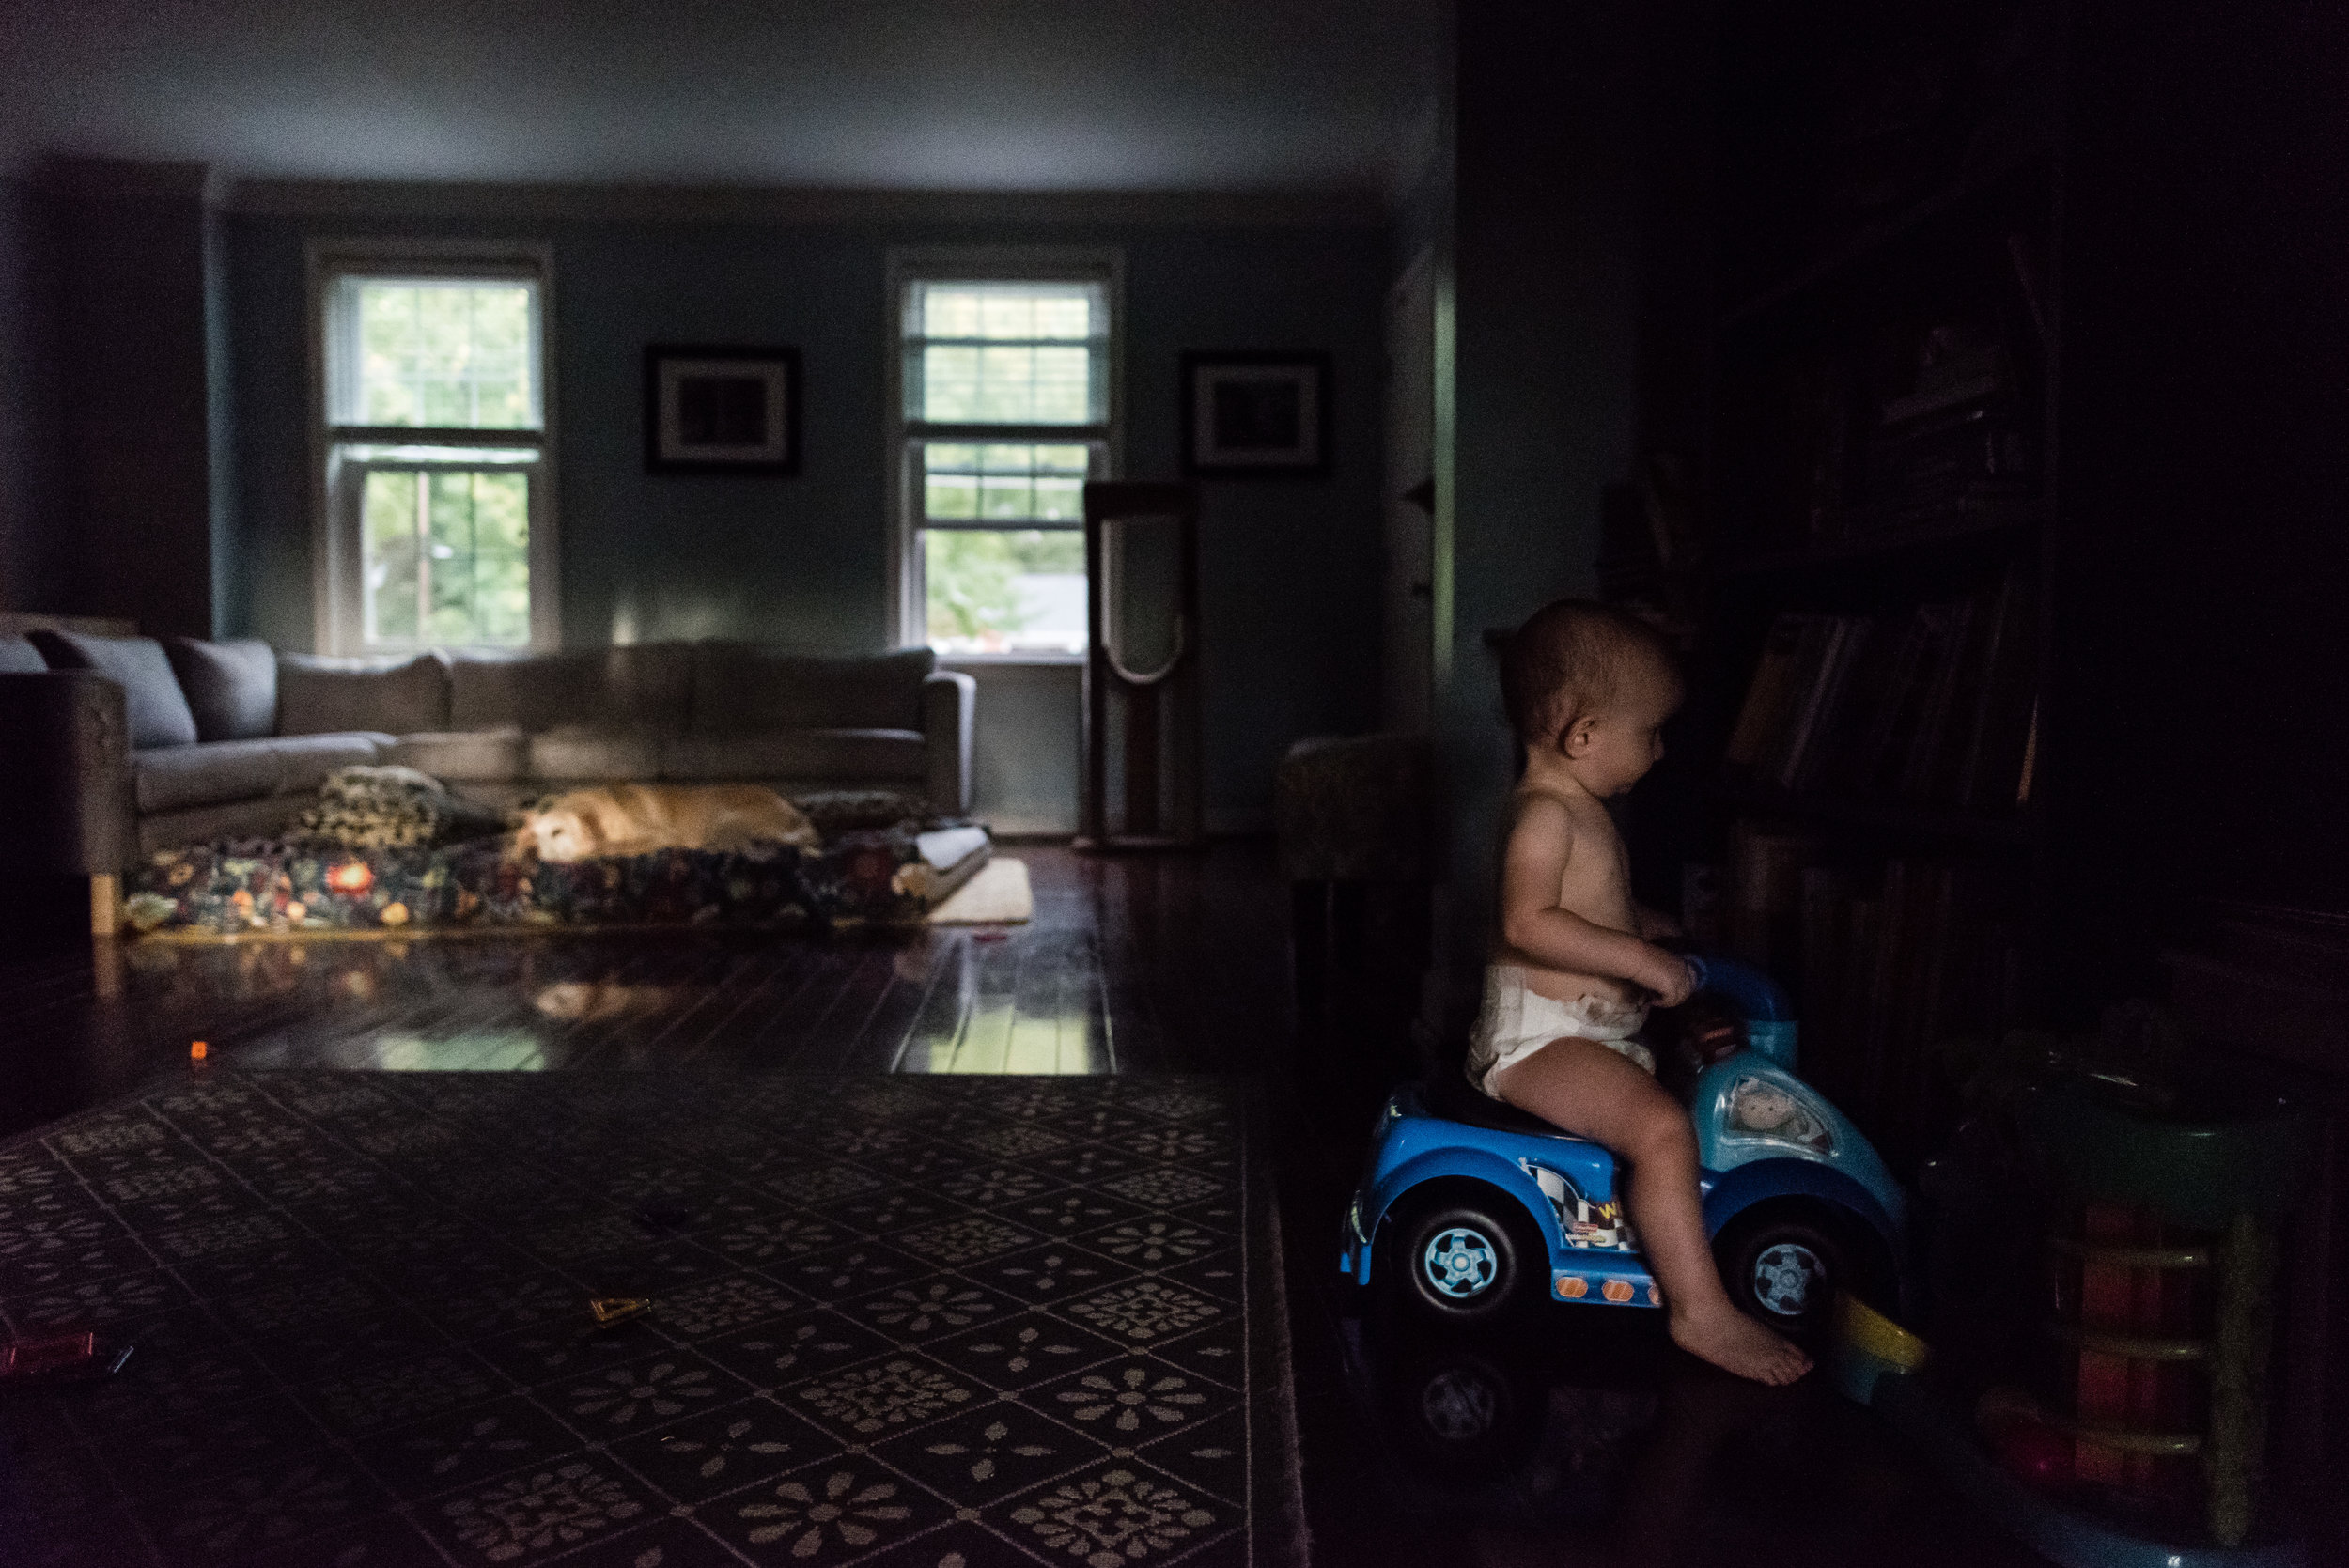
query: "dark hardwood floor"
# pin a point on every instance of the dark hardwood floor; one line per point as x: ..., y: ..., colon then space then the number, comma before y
x: 1129, y: 965
x: 1601, y: 1439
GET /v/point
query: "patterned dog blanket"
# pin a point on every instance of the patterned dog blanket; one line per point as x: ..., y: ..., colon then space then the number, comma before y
x: 371, y: 808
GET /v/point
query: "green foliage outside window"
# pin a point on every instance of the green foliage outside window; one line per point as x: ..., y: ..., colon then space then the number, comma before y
x: 983, y: 587
x: 445, y: 353
x: 447, y: 557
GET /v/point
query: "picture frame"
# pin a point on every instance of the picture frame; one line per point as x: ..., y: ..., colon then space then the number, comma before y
x: 1255, y: 414
x: 721, y: 408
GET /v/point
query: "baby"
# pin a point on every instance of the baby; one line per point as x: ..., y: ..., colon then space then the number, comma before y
x: 1574, y: 967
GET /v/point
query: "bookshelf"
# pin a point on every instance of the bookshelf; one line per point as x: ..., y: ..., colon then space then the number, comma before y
x: 1922, y: 822
x: 1994, y: 529
x: 1869, y: 584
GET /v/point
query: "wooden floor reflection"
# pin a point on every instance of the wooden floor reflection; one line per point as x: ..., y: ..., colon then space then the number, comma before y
x: 1127, y: 965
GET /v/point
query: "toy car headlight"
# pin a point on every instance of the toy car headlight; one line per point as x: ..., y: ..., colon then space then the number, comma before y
x: 1763, y: 1110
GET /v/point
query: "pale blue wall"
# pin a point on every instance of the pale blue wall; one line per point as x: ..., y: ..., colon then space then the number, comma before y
x: 1289, y: 568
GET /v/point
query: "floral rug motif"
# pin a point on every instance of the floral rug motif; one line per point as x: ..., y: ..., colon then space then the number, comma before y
x: 881, y: 1330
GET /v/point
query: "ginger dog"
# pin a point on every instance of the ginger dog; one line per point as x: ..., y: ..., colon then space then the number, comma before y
x: 635, y: 819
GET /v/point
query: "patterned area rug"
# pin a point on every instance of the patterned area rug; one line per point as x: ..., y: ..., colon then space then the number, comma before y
x: 951, y: 1322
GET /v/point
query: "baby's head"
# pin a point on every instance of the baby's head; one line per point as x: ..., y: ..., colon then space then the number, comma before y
x: 1594, y: 685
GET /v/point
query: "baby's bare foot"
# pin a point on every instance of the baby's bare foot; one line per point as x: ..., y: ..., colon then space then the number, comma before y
x: 1734, y: 1342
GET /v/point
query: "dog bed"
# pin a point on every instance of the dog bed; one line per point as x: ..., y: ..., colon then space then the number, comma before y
x: 871, y: 872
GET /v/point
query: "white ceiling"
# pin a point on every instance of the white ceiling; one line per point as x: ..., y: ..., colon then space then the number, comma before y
x: 985, y: 95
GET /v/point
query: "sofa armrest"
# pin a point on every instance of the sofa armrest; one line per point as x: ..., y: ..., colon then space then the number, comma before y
x: 950, y: 701
x: 65, y: 775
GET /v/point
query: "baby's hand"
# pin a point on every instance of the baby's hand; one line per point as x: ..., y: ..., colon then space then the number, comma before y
x: 1674, y: 980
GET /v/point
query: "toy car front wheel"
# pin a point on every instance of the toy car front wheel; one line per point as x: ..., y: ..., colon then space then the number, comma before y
x: 1785, y: 1267
x: 1460, y: 1258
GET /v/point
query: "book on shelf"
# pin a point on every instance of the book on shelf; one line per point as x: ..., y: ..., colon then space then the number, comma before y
x: 1936, y: 697
x: 1806, y: 738
x: 1824, y: 639
x: 1889, y: 959
x: 1832, y: 763
x: 1770, y: 693
x: 1954, y: 433
x: 1929, y: 705
x: 2031, y: 756
x: 1895, y: 729
x: 2031, y: 278
x: 1997, y: 750
x: 1822, y: 449
x: 1975, y: 457
x: 1960, y: 394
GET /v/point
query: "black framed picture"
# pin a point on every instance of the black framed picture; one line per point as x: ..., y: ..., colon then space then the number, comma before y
x: 1255, y: 413
x: 722, y: 409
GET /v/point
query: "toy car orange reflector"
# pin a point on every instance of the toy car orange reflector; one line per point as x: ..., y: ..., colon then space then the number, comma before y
x: 1617, y: 1291
x: 1573, y: 1286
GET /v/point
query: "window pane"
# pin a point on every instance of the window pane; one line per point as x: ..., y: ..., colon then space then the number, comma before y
x: 1063, y: 316
x: 1004, y: 311
x: 1005, y: 591
x: 950, y: 384
x: 1007, y: 500
x: 950, y: 313
x: 430, y: 352
x: 1007, y: 385
x: 388, y: 514
x: 1004, y: 482
x: 951, y: 495
x: 447, y: 557
x: 1063, y: 387
x: 1018, y: 353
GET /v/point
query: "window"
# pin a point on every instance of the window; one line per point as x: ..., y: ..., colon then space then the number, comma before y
x: 1006, y: 406
x: 437, y: 482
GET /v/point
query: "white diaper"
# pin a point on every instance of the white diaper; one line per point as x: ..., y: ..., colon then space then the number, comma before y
x: 1517, y: 1021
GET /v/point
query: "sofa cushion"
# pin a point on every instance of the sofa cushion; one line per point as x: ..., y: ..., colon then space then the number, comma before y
x: 403, y: 695
x: 230, y: 686
x: 858, y: 755
x: 20, y: 658
x: 158, y: 712
x: 744, y: 687
x: 475, y: 757
x: 178, y: 777
x: 601, y: 756
x: 306, y: 761
x: 642, y: 686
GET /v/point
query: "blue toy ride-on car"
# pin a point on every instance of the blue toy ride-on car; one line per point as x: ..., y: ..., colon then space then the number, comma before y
x: 1470, y: 1208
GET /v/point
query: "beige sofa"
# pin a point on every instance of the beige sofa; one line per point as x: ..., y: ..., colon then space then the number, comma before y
x: 112, y: 748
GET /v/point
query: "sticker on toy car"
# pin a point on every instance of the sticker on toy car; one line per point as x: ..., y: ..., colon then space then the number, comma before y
x: 1597, y: 1227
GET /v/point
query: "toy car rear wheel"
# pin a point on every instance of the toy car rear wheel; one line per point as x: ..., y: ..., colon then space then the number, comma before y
x: 1785, y: 1267
x: 1458, y: 1257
